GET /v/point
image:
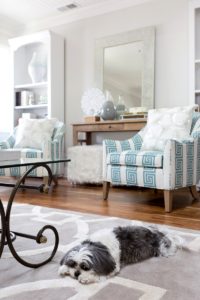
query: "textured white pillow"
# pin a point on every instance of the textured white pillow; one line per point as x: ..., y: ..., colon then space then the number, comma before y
x: 167, y: 123
x: 32, y: 133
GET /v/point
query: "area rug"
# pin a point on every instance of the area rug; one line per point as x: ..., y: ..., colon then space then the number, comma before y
x: 176, y: 277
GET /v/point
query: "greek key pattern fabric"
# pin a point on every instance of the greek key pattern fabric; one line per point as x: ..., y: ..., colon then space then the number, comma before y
x: 181, y: 163
x: 181, y: 169
x: 31, y: 153
x: 50, y: 150
x: 135, y: 176
x: 8, y: 143
x: 134, y: 143
x: 136, y: 158
x: 195, y: 118
x: 178, y: 166
x: 18, y: 171
x: 109, y: 146
x: 57, y: 147
x: 188, y: 162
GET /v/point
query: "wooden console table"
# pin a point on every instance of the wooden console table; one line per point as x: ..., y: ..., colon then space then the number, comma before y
x: 105, y: 126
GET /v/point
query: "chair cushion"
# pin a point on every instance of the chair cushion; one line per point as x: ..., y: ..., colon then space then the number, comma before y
x: 136, y: 158
x: 32, y: 133
x: 167, y: 123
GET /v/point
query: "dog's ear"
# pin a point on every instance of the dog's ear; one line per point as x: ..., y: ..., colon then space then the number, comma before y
x: 102, y: 261
x: 69, y: 255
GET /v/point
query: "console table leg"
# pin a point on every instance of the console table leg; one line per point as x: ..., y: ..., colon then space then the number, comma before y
x: 88, y: 138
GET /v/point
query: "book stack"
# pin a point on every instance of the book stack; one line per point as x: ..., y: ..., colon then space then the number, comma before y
x: 129, y: 116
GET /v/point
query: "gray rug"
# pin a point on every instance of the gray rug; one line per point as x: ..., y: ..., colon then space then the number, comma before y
x: 171, y: 278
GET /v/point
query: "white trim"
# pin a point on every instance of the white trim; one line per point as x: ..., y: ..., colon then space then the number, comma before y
x: 82, y: 13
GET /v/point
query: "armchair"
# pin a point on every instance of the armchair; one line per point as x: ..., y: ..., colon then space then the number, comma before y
x: 176, y: 167
x: 50, y: 149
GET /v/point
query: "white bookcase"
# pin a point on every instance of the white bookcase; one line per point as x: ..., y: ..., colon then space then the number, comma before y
x: 43, y: 96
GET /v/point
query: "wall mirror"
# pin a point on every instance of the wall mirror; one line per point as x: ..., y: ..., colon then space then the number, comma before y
x: 124, y: 65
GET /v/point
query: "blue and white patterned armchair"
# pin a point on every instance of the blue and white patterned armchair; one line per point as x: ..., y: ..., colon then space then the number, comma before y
x: 51, y: 149
x: 176, y: 167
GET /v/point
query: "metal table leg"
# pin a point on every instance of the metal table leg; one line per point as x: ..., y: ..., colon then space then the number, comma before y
x: 3, y: 228
x: 6, y: 235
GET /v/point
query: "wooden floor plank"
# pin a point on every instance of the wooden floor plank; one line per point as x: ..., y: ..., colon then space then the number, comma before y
x: 130, y: 203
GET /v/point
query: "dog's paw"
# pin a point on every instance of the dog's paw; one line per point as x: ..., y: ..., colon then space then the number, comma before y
x: 87, y: 280
x: 63, y: 270
x: 84, y: 280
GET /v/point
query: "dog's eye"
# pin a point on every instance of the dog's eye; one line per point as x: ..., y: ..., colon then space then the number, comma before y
x: 71, y: 263
x: 84, y: 267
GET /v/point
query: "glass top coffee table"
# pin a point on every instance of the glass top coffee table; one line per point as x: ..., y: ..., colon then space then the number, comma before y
x: 7, y: 235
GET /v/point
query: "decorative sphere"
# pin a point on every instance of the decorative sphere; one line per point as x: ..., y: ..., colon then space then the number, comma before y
x: 108, y: 111
x: 92, y: 101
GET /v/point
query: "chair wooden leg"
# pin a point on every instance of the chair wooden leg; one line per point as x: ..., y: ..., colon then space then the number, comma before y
x: 168, y: 198
x: 55, y: 180
x: 194, y: 192
x: 45, y: 180
x: 106, y: 186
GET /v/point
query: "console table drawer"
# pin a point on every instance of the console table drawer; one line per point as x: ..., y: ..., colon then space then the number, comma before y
x: 109, y: 127
x: 133, y: 126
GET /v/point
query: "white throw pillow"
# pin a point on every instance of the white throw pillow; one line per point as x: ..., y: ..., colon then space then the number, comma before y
x: 32, y: 133
x: 167, y: 123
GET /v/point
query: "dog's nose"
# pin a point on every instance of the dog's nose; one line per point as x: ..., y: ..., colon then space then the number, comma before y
x: 76, y: 274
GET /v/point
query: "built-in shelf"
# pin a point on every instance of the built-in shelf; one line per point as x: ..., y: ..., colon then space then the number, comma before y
x: 46, y: 97
x: 31, y: 106
x: 197, y: 61
x: 31, y: 85
x: 197, y: 91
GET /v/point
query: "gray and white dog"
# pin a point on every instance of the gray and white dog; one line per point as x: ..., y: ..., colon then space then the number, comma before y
x: 104, y: 253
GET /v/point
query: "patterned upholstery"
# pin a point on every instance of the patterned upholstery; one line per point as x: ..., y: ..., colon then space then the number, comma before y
x: 177, y: 166
x: 136, y: 158
x: 50, y: 150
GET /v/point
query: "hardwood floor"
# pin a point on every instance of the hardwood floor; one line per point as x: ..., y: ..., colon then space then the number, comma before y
x: 131, y: 203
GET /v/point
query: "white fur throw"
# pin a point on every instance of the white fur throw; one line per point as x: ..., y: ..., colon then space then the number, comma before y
x: 86, y: 164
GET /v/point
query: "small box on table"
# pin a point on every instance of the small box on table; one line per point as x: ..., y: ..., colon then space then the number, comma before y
x: 91, y: 119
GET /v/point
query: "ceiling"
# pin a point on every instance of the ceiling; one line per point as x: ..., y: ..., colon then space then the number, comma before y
x: 26, y: 13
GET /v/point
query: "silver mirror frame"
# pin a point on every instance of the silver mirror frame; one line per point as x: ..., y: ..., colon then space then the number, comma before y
x: 147, y: 35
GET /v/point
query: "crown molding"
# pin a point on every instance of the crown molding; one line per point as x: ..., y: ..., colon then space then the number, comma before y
x: 83, y: 13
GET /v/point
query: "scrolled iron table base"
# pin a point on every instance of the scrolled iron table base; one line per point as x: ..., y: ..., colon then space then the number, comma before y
x: 8, y: 236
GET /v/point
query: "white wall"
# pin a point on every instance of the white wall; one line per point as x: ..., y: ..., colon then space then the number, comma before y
x: 170, y: 17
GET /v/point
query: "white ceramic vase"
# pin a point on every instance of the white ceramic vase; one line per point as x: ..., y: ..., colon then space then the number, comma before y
x: 37, y: 69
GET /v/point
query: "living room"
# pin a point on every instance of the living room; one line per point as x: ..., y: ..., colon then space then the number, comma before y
x: 86, y: 194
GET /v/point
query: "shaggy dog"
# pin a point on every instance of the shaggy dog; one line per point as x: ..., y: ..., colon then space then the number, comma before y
x: 104, y: 253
